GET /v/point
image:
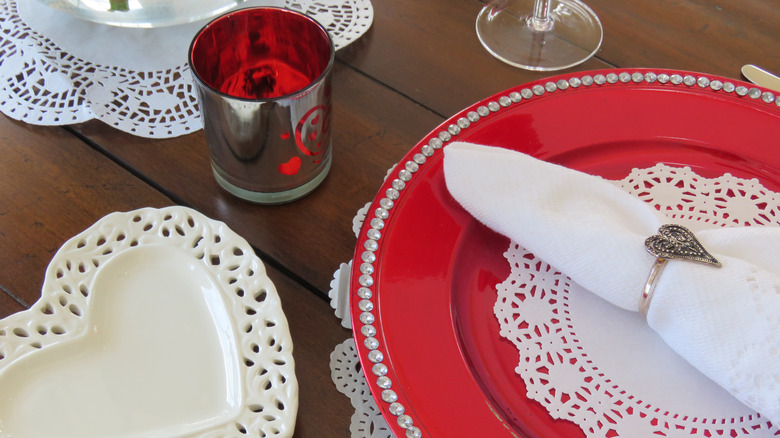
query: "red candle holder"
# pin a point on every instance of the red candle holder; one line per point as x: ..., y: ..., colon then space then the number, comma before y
x: 263, y: 77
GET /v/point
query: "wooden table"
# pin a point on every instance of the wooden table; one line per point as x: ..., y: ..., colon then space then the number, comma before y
x: 419, y: 64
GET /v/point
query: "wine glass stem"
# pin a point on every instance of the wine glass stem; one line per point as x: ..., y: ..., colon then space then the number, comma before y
x: 541, y: 20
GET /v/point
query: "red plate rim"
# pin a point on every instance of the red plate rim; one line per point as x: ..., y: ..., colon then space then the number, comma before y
x: 375, y: 361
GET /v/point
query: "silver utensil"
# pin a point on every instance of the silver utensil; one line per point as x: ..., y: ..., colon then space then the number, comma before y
x: 761, y: 77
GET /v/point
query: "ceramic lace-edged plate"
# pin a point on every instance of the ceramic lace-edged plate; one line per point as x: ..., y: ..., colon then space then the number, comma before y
x: 424, y: 276
x: 154, y: 323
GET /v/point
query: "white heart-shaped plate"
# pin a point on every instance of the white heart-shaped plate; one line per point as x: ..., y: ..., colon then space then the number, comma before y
x: 156, y: 323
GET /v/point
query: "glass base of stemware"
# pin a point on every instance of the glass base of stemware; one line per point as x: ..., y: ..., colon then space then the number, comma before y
x: 509, y: 31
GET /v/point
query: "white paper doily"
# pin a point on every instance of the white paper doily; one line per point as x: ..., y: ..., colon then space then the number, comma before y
x: 683, y: 404
x: 602, y: 367
x: 345, y: 369
x: 57, y: 70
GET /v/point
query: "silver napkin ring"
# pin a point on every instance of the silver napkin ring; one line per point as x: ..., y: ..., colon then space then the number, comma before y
x: 673, y: 242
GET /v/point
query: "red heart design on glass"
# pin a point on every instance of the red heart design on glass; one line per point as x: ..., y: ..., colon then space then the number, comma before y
x: 291, y: 167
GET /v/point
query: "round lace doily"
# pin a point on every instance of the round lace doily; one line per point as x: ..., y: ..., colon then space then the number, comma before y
x: 57, y: 70
x: 568, y: 364
x: 602, y: 367
x: 345, y: 370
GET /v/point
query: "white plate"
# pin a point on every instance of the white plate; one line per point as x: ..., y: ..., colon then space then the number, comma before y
x: 154, y: 323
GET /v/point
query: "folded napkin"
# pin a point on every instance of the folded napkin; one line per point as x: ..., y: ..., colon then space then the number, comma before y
x: 724, y: 321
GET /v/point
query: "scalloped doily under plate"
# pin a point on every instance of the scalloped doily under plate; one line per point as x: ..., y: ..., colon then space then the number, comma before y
x: 154, y: 323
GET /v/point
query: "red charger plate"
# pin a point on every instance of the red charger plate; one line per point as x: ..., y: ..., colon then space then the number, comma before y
x: 424, y: 276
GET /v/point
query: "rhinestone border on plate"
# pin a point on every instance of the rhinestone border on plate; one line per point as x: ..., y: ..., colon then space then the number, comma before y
x: 437, y: 141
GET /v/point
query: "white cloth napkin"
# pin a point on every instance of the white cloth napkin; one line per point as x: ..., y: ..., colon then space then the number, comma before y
x: 724, y: 321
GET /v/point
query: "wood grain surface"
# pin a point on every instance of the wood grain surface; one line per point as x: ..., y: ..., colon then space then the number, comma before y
x: 418, y: 64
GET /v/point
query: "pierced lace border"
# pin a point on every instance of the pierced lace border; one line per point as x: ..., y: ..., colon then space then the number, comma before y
x: 270, y: 398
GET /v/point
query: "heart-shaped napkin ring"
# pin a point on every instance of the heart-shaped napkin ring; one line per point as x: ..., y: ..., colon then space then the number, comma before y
x: 673, y: 242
